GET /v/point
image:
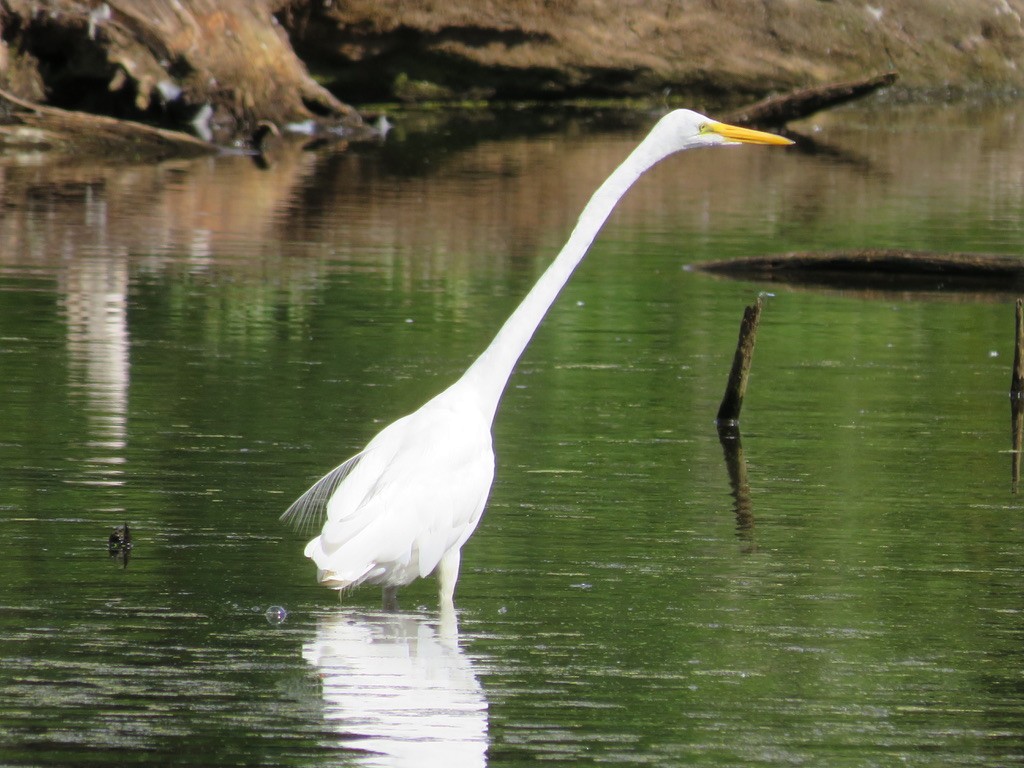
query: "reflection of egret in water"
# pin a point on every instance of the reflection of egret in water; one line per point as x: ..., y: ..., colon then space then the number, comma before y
x: 398, y: 686
x: 95, y: 299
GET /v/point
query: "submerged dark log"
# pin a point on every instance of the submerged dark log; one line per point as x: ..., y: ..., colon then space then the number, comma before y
x: 879, y: 268
x: 776, y: 111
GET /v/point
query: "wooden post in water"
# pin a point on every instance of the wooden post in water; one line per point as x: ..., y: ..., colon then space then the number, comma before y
x: 736, y: 388
x: 1017, y: 397
x: 1017, y: 380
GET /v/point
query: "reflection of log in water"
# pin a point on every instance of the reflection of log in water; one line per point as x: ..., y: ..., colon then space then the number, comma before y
x: 1017, y: 429
x: 1017, y: 396
x: 732, y: 448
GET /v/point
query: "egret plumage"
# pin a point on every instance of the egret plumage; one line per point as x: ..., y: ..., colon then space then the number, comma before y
x: 403, y: 507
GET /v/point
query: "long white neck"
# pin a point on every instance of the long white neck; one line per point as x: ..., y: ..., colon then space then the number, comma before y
x: 489, y: 374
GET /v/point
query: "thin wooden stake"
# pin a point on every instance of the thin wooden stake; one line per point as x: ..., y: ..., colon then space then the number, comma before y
x: 1017, y: 381
x: 736, y: 388
x: 1017, y: 399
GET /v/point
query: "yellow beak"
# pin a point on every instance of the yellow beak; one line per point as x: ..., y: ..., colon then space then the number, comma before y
x: 743, y: 135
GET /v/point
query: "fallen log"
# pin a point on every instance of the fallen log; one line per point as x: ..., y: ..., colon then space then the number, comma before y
x: 776, y: 111
x: 84, y: 134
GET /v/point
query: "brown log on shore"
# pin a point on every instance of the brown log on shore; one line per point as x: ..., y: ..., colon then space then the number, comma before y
x: 776, y: 111
x: 81, y: 133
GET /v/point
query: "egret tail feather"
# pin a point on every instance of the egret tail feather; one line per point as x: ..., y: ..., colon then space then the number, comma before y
x: 309, y: 511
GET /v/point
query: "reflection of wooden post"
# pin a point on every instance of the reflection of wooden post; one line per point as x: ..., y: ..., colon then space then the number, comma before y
x: 1017, y: 397
x: 736, y: 465
x: 736, y: 388
x: 1017, y: 381
x: 1017, y: 428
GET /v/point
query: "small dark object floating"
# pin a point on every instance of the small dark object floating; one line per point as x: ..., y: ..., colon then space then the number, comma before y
x: 120, y: 543
x: 266, y: 141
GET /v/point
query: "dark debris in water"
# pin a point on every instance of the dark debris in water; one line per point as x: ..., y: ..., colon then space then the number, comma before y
x: 119, y: 544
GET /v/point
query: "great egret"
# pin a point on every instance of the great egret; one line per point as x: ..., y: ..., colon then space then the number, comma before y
x: 402, y: 508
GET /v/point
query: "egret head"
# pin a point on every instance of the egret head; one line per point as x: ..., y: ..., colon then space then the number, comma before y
x: 684, y: 128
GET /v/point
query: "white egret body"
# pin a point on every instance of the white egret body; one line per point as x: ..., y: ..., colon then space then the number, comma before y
x: 403, y: 507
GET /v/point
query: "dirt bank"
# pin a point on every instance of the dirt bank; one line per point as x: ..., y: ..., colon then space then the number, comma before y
x: 381, y: 49
x: 223, y: 66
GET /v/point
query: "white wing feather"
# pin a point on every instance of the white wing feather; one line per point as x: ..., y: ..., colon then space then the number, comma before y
x: 309, y: 510
x: 417, y: 490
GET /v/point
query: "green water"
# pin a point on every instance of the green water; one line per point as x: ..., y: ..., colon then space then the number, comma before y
x: 185, y: 348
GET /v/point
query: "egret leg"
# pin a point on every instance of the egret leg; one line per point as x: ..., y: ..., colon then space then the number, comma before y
x: 390, y: 599
x: 448, y: 626
x: 447, y: 575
